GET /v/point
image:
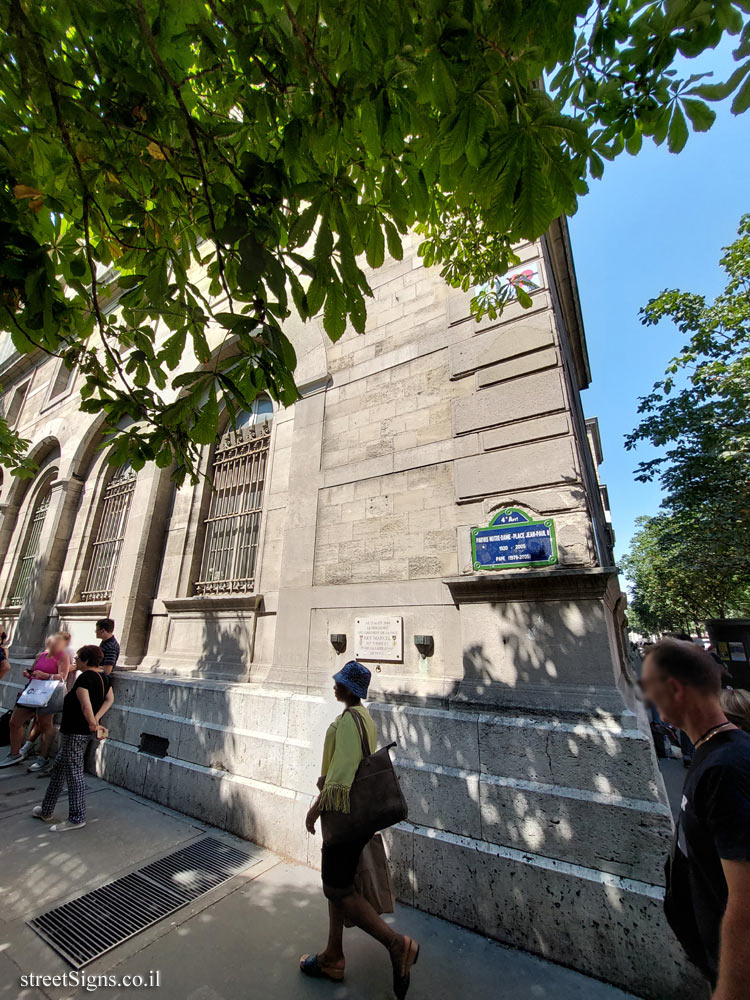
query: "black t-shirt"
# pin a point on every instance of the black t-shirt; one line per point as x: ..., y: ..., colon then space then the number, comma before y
x: 73, y: 720
x: 715, y: 824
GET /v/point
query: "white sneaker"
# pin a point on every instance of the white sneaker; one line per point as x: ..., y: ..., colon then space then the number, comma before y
x: 67, y: 825
x: 12, y: 758
x: 39, y: 765
x: 36, y: 812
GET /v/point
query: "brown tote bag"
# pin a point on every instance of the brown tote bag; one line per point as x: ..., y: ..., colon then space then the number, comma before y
x: 373, y: 878
x: 375, y: 799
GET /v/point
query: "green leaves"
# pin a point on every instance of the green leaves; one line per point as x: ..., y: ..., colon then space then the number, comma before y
x: 173, y: 349
x: 375, y: 245
x: 674, y: 126
x: 715, y: 353
x: 453, y: 145
x: 334, y: 314
x: 370, y: 129
x: 206, y: 427
x: 533, y: 203
x: 720, y: 91
x: 688, y: 563
x: 741, y: 101
x: 302, y: 226
x: 692, y: 561
x: 251, y: 264
x: 678, y: 131
x: 701, y: 116
x: 438, y: 82
x: 395, y: 249
x: 215, y: 173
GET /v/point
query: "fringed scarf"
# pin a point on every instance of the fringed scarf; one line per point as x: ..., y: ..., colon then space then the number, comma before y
x: 342, y: 753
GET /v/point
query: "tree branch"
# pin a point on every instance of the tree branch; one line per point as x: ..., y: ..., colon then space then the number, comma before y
x: 174, y: 87
x: 77, y: 166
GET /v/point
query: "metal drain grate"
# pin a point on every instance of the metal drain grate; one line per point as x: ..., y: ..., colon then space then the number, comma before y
x: 92, y: 924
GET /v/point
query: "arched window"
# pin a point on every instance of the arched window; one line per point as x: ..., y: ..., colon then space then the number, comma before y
x: 230, y: 546
x: 105, y: 550
x: 31, y: 547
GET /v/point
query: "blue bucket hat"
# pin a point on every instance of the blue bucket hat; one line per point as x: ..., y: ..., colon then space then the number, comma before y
x: 355, y: 677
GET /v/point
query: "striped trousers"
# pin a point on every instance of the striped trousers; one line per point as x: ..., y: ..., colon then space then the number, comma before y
x: 69, y: 767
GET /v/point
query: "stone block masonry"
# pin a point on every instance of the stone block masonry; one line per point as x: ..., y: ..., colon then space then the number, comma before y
x: 537, y: 814
x: 509, y: 832
x: 393, y: 527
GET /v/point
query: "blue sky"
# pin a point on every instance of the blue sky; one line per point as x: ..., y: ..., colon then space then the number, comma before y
x: 653, y: 221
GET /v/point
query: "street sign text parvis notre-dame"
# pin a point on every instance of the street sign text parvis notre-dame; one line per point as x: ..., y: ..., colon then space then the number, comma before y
x: 513, y: 539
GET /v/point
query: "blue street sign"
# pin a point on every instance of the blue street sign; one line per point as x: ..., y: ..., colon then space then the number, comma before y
x: 512, y: 540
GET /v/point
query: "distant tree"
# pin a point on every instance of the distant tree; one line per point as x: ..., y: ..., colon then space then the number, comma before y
x: 703, y: 400
x: 692, y: 560
x: 653, y: 607
x: 273, y: 145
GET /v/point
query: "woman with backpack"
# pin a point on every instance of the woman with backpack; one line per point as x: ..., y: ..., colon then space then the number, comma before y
x: 342, y: 755
x: 84, y: 706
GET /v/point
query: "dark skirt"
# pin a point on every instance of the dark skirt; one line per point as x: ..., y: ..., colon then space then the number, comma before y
x: 339, y: 863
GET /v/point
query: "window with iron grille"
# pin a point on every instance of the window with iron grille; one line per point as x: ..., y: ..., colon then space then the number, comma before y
x: 30, y: 549
x: 105, y: 551
x: 230, y: 547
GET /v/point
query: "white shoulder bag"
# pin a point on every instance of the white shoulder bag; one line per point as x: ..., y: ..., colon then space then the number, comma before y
x: 43, y: 694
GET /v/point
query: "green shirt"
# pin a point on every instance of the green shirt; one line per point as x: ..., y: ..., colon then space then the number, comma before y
x: 342, y: 753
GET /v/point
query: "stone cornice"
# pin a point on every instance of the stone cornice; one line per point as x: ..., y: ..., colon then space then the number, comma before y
x: 74, y: 482
x: 202, y: 603
x: 83, y: 609
x: 315, y: 385
x: 531, y: 585
x: 18, y: 365
x: 557, y: 243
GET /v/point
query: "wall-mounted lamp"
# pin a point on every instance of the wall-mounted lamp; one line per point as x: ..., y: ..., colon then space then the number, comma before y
x: 338, y: 641
x: 425, y: 644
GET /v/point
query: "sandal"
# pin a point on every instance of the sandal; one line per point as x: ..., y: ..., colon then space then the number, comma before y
x: 402, y: 972
x: 311, y: 967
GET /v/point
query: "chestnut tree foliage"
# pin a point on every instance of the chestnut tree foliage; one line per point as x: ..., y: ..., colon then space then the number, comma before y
x: 705, y: 390
x: 274, y: 146
x: 692, y: 560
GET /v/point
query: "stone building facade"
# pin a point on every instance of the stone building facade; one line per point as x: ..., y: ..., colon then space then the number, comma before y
x: 537, y: 815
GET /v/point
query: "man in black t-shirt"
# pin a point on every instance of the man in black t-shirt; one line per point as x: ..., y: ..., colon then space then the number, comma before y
x: 708, y: 891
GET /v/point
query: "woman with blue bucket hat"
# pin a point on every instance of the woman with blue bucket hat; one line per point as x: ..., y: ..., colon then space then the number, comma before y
x: 342, y: 754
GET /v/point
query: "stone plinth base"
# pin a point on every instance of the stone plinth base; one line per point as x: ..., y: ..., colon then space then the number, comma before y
x: 606, y: 926
x: 545, y: 831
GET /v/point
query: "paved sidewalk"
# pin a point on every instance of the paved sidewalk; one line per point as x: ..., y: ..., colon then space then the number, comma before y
x: 243, y: 939
x: 674, y: 773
